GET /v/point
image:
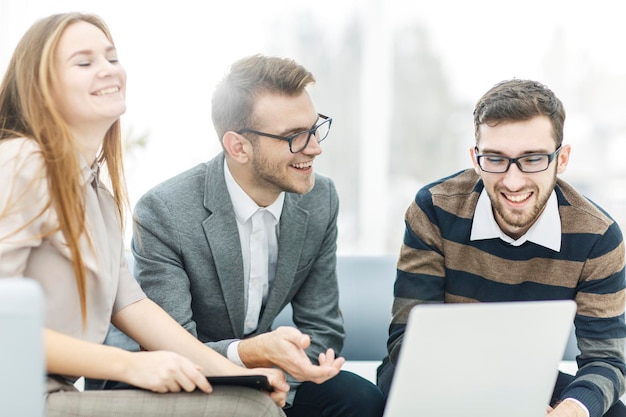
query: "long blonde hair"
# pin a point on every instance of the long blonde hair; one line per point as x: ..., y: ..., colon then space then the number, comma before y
x: 28, y: 110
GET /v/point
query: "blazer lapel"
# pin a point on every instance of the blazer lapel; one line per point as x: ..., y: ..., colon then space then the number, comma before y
x: 293, y: 224
x: 222, y: 236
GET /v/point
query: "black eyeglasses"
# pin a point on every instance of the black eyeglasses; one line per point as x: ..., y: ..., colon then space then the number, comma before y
x: 299, y: 141
x: 498, y: 164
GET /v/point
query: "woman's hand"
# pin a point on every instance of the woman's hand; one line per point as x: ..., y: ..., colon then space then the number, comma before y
x: 162, y: 371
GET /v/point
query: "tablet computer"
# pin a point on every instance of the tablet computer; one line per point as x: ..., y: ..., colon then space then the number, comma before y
x: 259, y: 382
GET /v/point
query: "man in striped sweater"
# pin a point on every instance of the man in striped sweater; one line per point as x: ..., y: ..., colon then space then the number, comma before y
x: 510, y: 230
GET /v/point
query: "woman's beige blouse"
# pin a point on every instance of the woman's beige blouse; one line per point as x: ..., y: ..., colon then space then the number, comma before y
x: 25, y: 253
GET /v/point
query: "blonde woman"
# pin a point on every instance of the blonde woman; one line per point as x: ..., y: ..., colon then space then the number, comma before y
x: 60, y: 103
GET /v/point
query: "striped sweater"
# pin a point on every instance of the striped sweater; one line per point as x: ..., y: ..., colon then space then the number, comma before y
x: 438, y: 263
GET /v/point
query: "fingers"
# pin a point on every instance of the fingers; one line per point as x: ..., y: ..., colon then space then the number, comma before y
x: 289, y: 354
x: 328, y: 359
x: 279, y: 398
x: 277, y: 380
x: 199, y: 381
x: 304, y: 341
x: 166, y: 372
x: 329, y: 366
x: 293, y: 335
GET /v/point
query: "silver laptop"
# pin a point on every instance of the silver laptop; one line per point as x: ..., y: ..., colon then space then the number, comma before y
x: 22, y: 369
x: 480, y: 359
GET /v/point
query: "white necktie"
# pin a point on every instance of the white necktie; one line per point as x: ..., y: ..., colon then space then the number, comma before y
x: 258, y: 282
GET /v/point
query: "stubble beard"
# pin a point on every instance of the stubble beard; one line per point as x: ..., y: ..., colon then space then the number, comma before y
x: 270, y: 175
x: 520, y: 218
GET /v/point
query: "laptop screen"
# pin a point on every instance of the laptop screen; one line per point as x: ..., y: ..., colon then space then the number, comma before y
x: 480, y: 358
x: 21, y: 348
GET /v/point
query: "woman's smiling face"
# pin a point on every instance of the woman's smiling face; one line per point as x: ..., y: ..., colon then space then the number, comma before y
x: 90, y: 83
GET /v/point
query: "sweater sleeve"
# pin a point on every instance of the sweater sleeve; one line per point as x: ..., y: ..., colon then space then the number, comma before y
x: 600, y: 327
x: 421, y: 271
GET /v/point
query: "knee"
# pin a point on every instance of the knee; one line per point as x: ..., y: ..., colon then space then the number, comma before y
x: 362, y: 397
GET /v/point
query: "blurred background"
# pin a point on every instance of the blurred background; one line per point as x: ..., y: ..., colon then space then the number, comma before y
x: 400, y: 79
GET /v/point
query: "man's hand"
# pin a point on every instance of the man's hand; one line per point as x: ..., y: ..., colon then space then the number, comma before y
x: 277, y: 380
x: 285, y: 348
x: 566, y: 409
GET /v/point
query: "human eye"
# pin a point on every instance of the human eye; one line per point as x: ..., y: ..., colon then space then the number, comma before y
x: 299, y: 137
x: 533, y: 159
x: 496, y: 160
x: 81, y: 59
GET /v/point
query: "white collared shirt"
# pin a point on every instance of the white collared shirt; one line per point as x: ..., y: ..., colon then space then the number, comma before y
x: 244, y: 208
x: 546, y: 231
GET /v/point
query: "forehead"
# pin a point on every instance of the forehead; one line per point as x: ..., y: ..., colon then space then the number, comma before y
x: 515, y: 137
x: 282, y: 112
x: 81, y: 37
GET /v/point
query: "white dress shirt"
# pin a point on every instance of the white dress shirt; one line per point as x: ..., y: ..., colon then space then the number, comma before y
x: 545, y: 232
x: 259, y: 249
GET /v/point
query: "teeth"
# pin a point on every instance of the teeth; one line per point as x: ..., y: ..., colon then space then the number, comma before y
x: 518, y: 198
x: 303, y: 165
x: 109, y: 90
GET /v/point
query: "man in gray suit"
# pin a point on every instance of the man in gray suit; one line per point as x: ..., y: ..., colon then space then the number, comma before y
x: 224, y: 246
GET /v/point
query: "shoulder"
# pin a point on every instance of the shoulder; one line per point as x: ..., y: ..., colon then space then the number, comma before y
x: 20, y: 151
x: 183, y: 185
x: 460, y: 183
x: 23, y: 179
x: 461, y: 189
x: 21, y: 163
x: 579, y: 214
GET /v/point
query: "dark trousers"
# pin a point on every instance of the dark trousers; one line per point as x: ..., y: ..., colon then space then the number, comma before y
x: 346, y: 395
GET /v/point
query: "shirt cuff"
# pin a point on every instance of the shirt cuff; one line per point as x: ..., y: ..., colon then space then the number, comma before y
x: 233, y: 354
x: 575, y: 400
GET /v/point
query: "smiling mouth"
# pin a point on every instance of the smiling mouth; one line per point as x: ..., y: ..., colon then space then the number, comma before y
x: 303, y: 165
x: 105, y: 91
x: 517, y: 198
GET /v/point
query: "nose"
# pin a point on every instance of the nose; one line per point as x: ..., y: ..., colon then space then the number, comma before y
x: 107, y: 68
x: 514, y: 179
x: 313, y: 147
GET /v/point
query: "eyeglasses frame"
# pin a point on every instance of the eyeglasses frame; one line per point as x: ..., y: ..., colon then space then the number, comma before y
x: 290, y: 138
x: 515, y: 161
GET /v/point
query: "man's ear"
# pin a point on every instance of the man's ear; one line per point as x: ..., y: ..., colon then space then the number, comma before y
x: 472, y: 152
x: 237, y: 146
x: 563, y: 158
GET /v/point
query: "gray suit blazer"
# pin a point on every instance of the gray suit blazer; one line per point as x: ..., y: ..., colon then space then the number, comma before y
x: 188, y: 259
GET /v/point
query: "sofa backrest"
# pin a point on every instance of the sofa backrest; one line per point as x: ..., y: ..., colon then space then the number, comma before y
x: 365, y: 298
